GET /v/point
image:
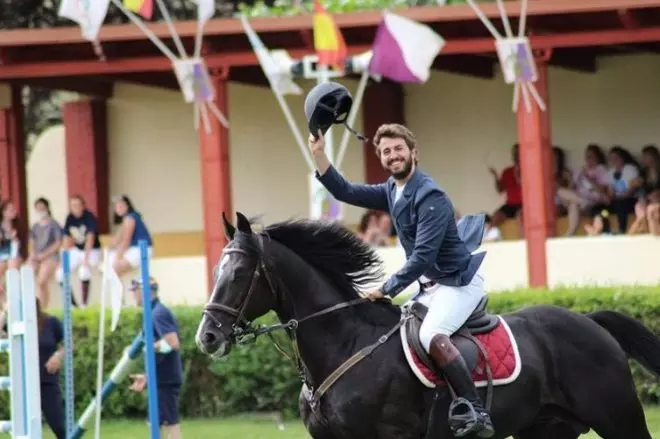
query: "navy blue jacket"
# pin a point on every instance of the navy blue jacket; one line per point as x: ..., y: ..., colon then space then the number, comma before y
x: 424, y: 221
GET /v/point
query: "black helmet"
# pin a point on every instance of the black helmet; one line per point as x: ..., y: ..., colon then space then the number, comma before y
x: 326, y: 104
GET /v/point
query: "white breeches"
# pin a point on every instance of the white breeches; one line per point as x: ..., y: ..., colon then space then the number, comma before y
x: 76, y: 259
x: 448, y: 308
x: 131, y: 255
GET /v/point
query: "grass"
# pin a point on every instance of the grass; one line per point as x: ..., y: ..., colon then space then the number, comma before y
x: 257, y: 428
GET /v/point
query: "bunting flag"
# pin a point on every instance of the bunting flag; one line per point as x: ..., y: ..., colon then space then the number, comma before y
x: 143, y: 7
x: 404, y: 50
x: 205, y: 11
x: 329, y: 43
x: 89, y: 14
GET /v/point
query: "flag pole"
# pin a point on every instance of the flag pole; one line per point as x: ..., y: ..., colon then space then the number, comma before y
x: 140, y: 24
x: 359, y: 94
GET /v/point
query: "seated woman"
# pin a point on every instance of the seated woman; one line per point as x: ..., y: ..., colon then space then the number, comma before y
x: 563, y: 177
x: 9, y: 243
x: 46, y: 238
x: 623, y: 187
x: 82, y: 240
x: 589, y: 187
x: 125, y: 249
x: 647, y: 209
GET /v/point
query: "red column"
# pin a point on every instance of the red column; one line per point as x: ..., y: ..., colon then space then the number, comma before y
x: 216, y: 176
x: 13, y: 185
x: 85, y: 124
x: 382, y: 103
x: 537, y: 180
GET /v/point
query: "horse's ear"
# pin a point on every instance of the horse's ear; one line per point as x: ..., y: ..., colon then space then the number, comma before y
x: 243, y: 223
x: 229, y: 229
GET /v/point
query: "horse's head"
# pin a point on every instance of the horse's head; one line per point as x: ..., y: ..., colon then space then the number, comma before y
x: 242, y: 290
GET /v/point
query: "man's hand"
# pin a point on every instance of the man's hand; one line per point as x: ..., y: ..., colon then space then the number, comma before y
x: 139, y: 382
x: 54, y: 362
x: 317, y: 148
x: 373, y: 295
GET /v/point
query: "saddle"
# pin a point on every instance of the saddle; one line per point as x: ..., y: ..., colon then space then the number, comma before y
x: 479, y: 322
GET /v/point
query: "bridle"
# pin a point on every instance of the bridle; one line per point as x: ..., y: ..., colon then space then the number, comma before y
x: 244, y: 333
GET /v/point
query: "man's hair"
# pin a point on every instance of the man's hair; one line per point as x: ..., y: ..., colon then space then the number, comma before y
x: 395, y: 131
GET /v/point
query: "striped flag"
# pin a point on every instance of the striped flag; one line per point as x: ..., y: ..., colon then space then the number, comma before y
x: 89, y: 14
x: 143, y: 7
x: 404, y: 50
x: 328, y: 41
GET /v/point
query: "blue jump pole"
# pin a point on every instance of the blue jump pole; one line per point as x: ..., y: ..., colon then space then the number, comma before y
x: 118, y: 373
x: 150, y: 355
x: 68, y: 343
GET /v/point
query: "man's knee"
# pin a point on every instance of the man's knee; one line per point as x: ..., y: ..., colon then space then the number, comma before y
x: 84, y: 274
x: 653, y: 210
x: 427, y: 334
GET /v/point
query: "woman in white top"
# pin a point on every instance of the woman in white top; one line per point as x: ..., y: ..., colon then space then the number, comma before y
x: 589, y: 187
x: 624, y: 183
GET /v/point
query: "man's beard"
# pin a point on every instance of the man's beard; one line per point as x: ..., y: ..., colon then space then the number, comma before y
x: 407, y: 168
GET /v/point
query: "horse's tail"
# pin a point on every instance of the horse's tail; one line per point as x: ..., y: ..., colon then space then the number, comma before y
x: 635, y: 338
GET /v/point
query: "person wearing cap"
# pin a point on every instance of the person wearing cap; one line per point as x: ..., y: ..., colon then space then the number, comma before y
x: 169, y: 370
x: 437, y: 258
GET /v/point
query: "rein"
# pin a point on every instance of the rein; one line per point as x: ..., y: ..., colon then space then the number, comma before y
x: 244, y: 333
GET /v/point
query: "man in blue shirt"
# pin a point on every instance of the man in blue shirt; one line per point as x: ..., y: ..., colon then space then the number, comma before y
x: 437, y: 257
x: 81, y: 238
x: 168, y: 360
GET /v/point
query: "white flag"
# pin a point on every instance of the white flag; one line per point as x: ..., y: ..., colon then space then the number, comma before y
x: 205, y: 10
x: 274, y: 67
x: 89, y: 14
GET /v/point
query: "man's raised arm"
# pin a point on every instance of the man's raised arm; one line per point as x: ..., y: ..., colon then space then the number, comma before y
x: 368, y: 196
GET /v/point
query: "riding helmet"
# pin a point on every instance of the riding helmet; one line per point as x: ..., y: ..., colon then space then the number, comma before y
x: 326, y: 104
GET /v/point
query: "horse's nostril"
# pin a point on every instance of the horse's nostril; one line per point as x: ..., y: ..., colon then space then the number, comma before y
x: 209, y: 338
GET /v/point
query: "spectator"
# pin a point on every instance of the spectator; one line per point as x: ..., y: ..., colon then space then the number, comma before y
x: 125, y: 253
x: 46, y: 238
x: 623, y: 185
x: 169, y: 370
x: 589, y: 188
x: 51, y: 353
x: 491, y: 233
x: 386, y: 227
x: 647, y: 209
x: 369, y: 229
x: 81, y: 238
x: 509, y: 183
x: 9, y: 244
x: 563, y: 177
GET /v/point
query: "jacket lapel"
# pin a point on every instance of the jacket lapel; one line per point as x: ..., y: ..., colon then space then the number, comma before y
x: 407, y: 195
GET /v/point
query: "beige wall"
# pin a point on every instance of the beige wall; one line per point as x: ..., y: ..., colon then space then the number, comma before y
x: 463, y: 125
x: 47, y: 173
x: 155, y: 156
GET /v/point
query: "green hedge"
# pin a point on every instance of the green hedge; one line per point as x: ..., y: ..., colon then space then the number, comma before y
x: 259, y: 378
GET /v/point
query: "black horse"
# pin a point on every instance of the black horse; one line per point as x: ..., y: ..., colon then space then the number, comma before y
x: 575, y: 374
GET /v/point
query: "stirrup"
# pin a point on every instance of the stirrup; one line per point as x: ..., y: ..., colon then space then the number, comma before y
x: 467, y: 421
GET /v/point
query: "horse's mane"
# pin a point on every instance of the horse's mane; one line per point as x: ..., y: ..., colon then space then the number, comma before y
x: 336, y: 252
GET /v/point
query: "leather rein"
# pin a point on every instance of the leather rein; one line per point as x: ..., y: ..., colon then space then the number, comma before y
x: 244, y: 333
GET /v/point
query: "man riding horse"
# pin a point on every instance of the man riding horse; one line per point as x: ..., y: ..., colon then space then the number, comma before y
x: 450, y: 282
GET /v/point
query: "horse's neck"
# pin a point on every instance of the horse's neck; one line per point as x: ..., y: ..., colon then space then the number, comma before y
x: 322, y: 340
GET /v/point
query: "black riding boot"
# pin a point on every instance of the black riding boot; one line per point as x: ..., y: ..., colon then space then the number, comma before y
x: 462, y: 419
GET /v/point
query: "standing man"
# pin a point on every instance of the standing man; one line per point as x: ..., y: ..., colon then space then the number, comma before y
x: 436, y: 256
x: 168, y: 360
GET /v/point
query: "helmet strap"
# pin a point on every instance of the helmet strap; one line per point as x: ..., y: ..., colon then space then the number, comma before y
x: 360, y: 136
